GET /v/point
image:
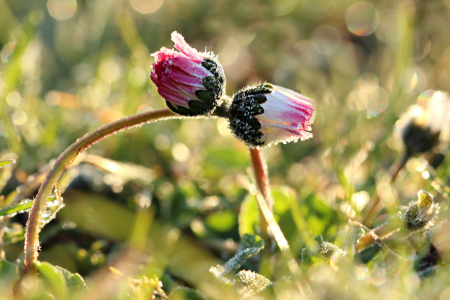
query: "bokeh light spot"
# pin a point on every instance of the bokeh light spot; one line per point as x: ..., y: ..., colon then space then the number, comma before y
x: 19, y: 117
x: 229, y: 53
x: 137, y: 77
x: 62, y: 9
x: 387, y: 30
x: 7, y: 51
x: 110, y: 69
x: 422, y: 44
x: 13, y: 99
x: 376, y: 101
x: 180, y: 152
x: 146, y: 6
x: 327, y: 39
x: 362, y: 18
x: 414, y: 80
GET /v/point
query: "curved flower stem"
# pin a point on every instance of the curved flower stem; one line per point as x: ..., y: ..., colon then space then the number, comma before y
x: 262, y: 180
x: 64, y: 160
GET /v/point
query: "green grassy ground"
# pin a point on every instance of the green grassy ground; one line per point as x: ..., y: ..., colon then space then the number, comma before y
x: 167, y: 201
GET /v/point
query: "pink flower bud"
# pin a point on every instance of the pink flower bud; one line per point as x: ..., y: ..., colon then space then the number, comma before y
x: 192, y: 83
x: 269, y: 114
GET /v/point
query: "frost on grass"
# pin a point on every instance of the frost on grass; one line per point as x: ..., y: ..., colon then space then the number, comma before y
x: 250, y: 245
x: 248, y: 283
x: 245, y: 283
x: 420, y: 214
x: 319, y: 250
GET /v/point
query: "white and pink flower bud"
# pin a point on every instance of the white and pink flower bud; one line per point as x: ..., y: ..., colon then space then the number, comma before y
x: 192, y: 83
x: 268, y: 114
x: 425, y: 124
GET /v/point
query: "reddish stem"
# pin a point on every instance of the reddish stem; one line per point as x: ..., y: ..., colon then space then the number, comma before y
x: 64, y: 160
x: 262, y: 180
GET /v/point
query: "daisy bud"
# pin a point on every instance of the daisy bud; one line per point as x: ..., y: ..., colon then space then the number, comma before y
x: 425, y: 124
x: 420, y: 214
x: 192, y: 83
x: 268, y: 114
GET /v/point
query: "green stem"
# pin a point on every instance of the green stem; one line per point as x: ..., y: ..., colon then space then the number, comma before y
x: 64, y: 160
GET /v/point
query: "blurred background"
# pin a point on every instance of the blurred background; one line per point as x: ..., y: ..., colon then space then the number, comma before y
x: 68, y: 67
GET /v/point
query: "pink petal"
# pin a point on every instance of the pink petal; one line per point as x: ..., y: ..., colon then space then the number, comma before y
x: 289, y: 95
x: 185, y: 48
x: 190, y: 67
x: 164, y: 54
x: 182, y: 77
x: 154, y: 78
x: 273, y: 134
x: 288, y: 113
x: 174, y: 97
x: 187, y: 90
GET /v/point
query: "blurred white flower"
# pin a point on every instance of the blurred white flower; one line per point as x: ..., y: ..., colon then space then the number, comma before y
x: 426, y: 123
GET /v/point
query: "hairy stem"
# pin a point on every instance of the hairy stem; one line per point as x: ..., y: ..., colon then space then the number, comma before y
x: 262, y: 180
x: 267, y: 220
x: 64, y: 160
x: 68, y: 156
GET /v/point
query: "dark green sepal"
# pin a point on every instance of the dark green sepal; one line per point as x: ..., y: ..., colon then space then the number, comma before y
x: 214, y: 68
x: 195, y: 108
x: 245, y: 106
x: 260, y: 98
x: 199, y: 108
x: 205, y: 96
x: 257, y: 109
x: 212, y: 84
x: 256, y: 125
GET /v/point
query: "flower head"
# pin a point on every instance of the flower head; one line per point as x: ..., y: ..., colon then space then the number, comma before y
x: 425, y: 123
x: 192, y: 83
x: 420, y: 214
x: 268, y: 114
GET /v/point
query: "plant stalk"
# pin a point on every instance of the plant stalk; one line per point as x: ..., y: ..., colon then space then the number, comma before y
x: 64, y: 160
x: 267, y: 220
x: 376, y: 235
x: 262, y: 181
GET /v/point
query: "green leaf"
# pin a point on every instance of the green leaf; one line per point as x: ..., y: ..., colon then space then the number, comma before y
x: 249, y: 283
x: 52, y: 206
x: 320, y: 250
x: 221, y: 221
x: 248, y: 216
x: 13, y: 234
x: 62, y: 281
x: 12, y: 210
x: 8, y: 272
x: 251, y: 241
x: 184, y: 293
x: 250, y: 245
x: 6, y: 162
